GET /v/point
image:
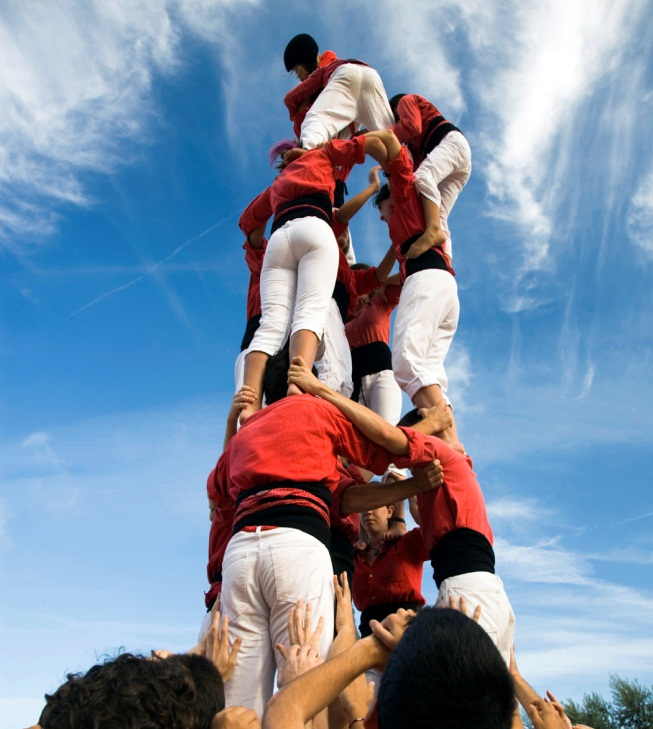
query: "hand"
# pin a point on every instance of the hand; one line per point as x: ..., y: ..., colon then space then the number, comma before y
x: 299, y: 659
x: 292, y: 154
x: 512, y: 668
x: 429, y: 477
x: 243, y: 397
x: 437, y: 418
x: 461, y: 606
x: 300, y: 375
x: 344, y: 613
x: 390, y: 631
x: 395, y: 531
x: 559, y: 708
x: 429, y: 239
x: 299, y: 632
x: 544, y: 715
x: 374, y: 177
x: 217, y: 646
x: 236, y: 717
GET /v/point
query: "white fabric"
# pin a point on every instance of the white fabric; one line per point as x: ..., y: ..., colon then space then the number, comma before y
x: 443, y: 174
x: 354, y: 93
x: 425, y: 322
x: 297, y: 280
x: 264, y: 573
x: 381, y: 394
x: 334, y: 367
x: 486, y: 590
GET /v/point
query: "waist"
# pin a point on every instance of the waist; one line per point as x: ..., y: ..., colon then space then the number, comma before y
x: 436, y: 131
x: 250, y: 331
x: 461, y: 551
x: 316, y: 205
x: 370, y: 359
x: 294, y: 504
x: 433, y: 258
x: 341, y: 296
x: 380, y: 612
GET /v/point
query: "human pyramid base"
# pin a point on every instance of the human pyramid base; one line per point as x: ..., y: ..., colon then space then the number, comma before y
x: 297, y: 526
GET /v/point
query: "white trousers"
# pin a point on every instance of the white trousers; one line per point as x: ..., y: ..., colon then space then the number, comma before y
x: 443, y: 174
x: 425, y: 322
x: 297, y: 280
x: 334, y: 367
x: 264, y: 573
x: 381, y: 394
x: 354, y: 93
x: 486, y: 590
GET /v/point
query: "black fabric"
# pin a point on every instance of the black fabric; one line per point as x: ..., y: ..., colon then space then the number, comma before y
x: 250, y: 331
x: 339, y: 194
x: 380, y: 612
x: 312, y: 488
x: 342, y: 554
x: 433, y: 258
x: 368, y: 360
x: 435, y: 134
x: 459, y: 552
x: 317, y: 205
x: 341, y: 296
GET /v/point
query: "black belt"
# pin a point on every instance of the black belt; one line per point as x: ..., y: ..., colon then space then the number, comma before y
x: 317, y: 205
x: 341, y: 296
x: 250, y: 330
x: 436, y: 131
x: 368, y: 360
x: 433, y: 258
x: 380, y: 612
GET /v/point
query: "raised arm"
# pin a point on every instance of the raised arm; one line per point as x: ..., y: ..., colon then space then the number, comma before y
x: 347, y: 211
x: 391, y: 145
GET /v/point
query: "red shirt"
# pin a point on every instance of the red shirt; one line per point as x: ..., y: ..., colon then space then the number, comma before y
x: 357, y: 282
x: 395, y: 576
x: 407, y: 219
x: 325, y: 59
x: 372, y: 322
x: 415, y: 114
x: 254, y: 260
x: 348, y: 524
x: 457, y: 503
x: 310, y: 173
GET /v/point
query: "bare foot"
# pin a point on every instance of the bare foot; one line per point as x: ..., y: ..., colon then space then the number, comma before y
x: 429, y: 239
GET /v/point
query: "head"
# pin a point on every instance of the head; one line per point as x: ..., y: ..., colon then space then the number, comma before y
x: 209, y: 687
x: 445, y: 673
x: 278, y: 151
x: 301, y: 56
x: 128, y: 691
x: 384, y: 202
x: 376, y: 521
x: 394, y: 103
x: 365, y: 299
x: 275, y: 380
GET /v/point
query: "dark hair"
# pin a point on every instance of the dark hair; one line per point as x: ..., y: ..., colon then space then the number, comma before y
x: 409, y: 419
x: 209, y: 687
x: 359, y: 266
x: 275, y: 380
x: 394, y: 103
x: 301, y: 49
x: 126, y: 692
x: 381, y: 195
x: 445, y: 673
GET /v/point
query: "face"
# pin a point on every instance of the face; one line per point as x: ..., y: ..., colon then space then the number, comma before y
x: 386, y: 208
x: 300, y: 71
x: 376, y: 520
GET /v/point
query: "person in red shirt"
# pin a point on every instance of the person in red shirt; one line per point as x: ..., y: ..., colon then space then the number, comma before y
x: 334, y: 95
x: 428, y: 310
x: 442, y: 161
x: 272, y: 488
x: 301, y: 259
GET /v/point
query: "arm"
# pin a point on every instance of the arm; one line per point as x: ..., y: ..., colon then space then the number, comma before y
x: 373, y: 426
x: 524, y: 692
x: 359, y: 497
x: 244, y: 397
x: 347, y: 211
x: 391, y: 146
x: 384, y: 268
x: 255, y: 217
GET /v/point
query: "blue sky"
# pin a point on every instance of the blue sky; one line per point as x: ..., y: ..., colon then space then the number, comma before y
x: 132, y: 136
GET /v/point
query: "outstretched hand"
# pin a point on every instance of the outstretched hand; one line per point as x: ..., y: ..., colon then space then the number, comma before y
x: 461, y: 607
x: 303, y: 651
x: 236, y: 717
x: 344, y: 613
x: 390, y: 631
x: 374, y: 177
x: 544, y: 715
x: 300, y: 375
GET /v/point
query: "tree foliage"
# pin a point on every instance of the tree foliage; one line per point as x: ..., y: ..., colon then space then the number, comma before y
x: 631, y: 707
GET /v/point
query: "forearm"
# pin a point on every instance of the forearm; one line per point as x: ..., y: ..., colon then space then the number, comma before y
x: 388, y: 139
x: 347, y: 211
x: 524, y: 692
x: 376, y: 148
x: 303, y: 698
x: 255, y: 237
x: 394, y: 280
x: 359, y: 497
x: 384, y: 268
x: 371, y: 425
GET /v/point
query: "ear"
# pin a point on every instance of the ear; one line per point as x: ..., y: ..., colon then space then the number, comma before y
x: 372, y: 716
x: 391, y: 511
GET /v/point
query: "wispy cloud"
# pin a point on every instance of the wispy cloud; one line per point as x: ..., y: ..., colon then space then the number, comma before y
x: 640, y: 216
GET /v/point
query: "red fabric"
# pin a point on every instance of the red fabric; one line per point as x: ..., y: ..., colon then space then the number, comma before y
x: 372, y: 322
x: 310, y: 173
x: 254, y: 260
x: 407, y: 218
x: 220, y: 532
x: 356, y: 285
x: 348, y: 524
x: 415, y: 114
x: 457, y: 503
x: 395, y: 576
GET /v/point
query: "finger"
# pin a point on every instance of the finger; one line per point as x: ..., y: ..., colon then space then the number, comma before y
x: 233, y: 657
x: 315, y: 640
x: 463, y: 605
x: 337, y: 589
x: 477, y: 614
x: 282, y: 649
x: 224, y: 634
x: 308, y: 621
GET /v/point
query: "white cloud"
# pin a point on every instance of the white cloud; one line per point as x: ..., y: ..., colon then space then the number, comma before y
x: 640, y: 216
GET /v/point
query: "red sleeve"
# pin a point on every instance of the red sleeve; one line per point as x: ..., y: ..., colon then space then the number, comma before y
x: 221, y: 525
x: 412, y: 543
x: 303, y: 91
x: 392, y: 294
x: 409, y: 125
x: 401, y: 171
x: 257, y: 213
x: 254, y: 257
x: 326, y: 58
x: 365, y: 280
x: 346, y: 151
